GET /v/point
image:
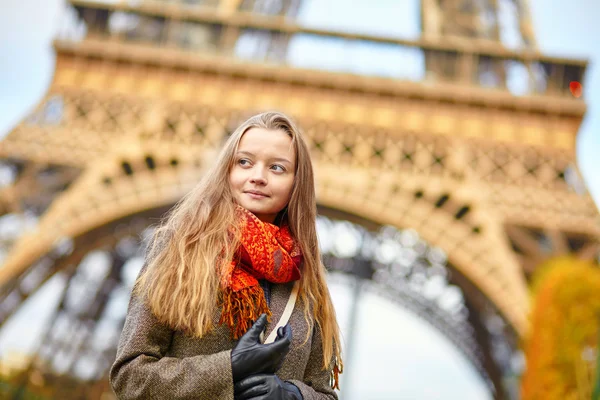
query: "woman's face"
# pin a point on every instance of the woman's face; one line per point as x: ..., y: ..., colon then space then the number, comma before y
x: 262, y: 175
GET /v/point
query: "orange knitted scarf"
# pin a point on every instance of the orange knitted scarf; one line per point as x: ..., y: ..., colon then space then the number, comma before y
x: 266, y: 251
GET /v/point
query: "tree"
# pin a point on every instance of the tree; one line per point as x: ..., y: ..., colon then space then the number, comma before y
x: 562, y: 349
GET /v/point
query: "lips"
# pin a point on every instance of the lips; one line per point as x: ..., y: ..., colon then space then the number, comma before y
x: 256, y: 194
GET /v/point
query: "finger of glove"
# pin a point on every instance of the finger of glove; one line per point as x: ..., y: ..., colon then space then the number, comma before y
x: 243, y: 351
x: 253, y: 392
x: 292, y: 390
x: 255, y: 330
x: 260, y: 360
x: 284, y: 331
x: 282, y: 343
x: 278, y: 349
x: 274, y: 363
x: 266, y: 396
x: 253, y: 381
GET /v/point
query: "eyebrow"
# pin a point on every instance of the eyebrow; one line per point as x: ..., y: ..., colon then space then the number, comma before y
x: 280, y: 159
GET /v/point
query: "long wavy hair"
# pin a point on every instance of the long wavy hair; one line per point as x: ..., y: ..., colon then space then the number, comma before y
x: 185, y: 256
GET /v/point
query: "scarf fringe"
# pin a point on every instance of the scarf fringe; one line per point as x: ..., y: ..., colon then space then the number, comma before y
x: 242, y: 308
x: 338, y: 368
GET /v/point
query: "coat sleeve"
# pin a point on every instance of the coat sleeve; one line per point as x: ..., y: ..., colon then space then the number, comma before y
x: 142, y: 371
x: 316, y: 383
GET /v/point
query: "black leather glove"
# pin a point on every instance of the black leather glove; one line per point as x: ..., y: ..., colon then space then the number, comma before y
x: 266, y: 387
x: 250, y: 356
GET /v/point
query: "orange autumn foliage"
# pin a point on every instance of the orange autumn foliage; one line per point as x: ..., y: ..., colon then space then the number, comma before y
x: 565, y: 322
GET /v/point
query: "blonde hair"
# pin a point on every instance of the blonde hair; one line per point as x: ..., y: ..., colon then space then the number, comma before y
x: 180, y: 281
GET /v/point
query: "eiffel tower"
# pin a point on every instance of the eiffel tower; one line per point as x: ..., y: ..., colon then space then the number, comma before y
x: 471, y: 167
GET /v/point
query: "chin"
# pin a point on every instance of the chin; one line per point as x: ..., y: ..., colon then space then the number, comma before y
x: 252, y: 208
x: 256, y: 210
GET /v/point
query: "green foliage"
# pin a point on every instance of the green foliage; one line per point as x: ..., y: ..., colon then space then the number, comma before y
x: 12, y: 390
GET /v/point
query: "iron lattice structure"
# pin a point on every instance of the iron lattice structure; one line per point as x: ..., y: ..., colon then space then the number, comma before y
x: 478, y: 157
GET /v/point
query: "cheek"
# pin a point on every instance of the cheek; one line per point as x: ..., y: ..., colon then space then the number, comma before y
x: 289, y: 189
x: 232, y: 184
x: 234, y: 178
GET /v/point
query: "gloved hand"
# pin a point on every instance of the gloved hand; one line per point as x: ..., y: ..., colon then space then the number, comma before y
x: 250, y: 356
x: 266, y: 387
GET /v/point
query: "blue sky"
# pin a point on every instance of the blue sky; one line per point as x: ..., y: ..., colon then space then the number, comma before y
x: 429, y: 364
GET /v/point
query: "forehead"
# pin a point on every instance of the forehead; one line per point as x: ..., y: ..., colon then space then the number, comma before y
x: 268, y: 142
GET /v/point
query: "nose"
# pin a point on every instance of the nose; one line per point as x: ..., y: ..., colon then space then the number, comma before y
x: 258, y: 177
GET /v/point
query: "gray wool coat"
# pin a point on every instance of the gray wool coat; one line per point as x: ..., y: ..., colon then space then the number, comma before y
x: 155, y: 362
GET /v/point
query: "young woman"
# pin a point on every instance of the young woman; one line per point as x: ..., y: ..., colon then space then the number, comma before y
x: 221, y: 269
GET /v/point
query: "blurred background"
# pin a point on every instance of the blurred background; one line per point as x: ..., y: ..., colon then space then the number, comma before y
x: 456, y: 149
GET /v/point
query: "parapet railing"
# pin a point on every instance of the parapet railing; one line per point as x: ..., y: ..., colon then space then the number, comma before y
x: 206, y: 28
